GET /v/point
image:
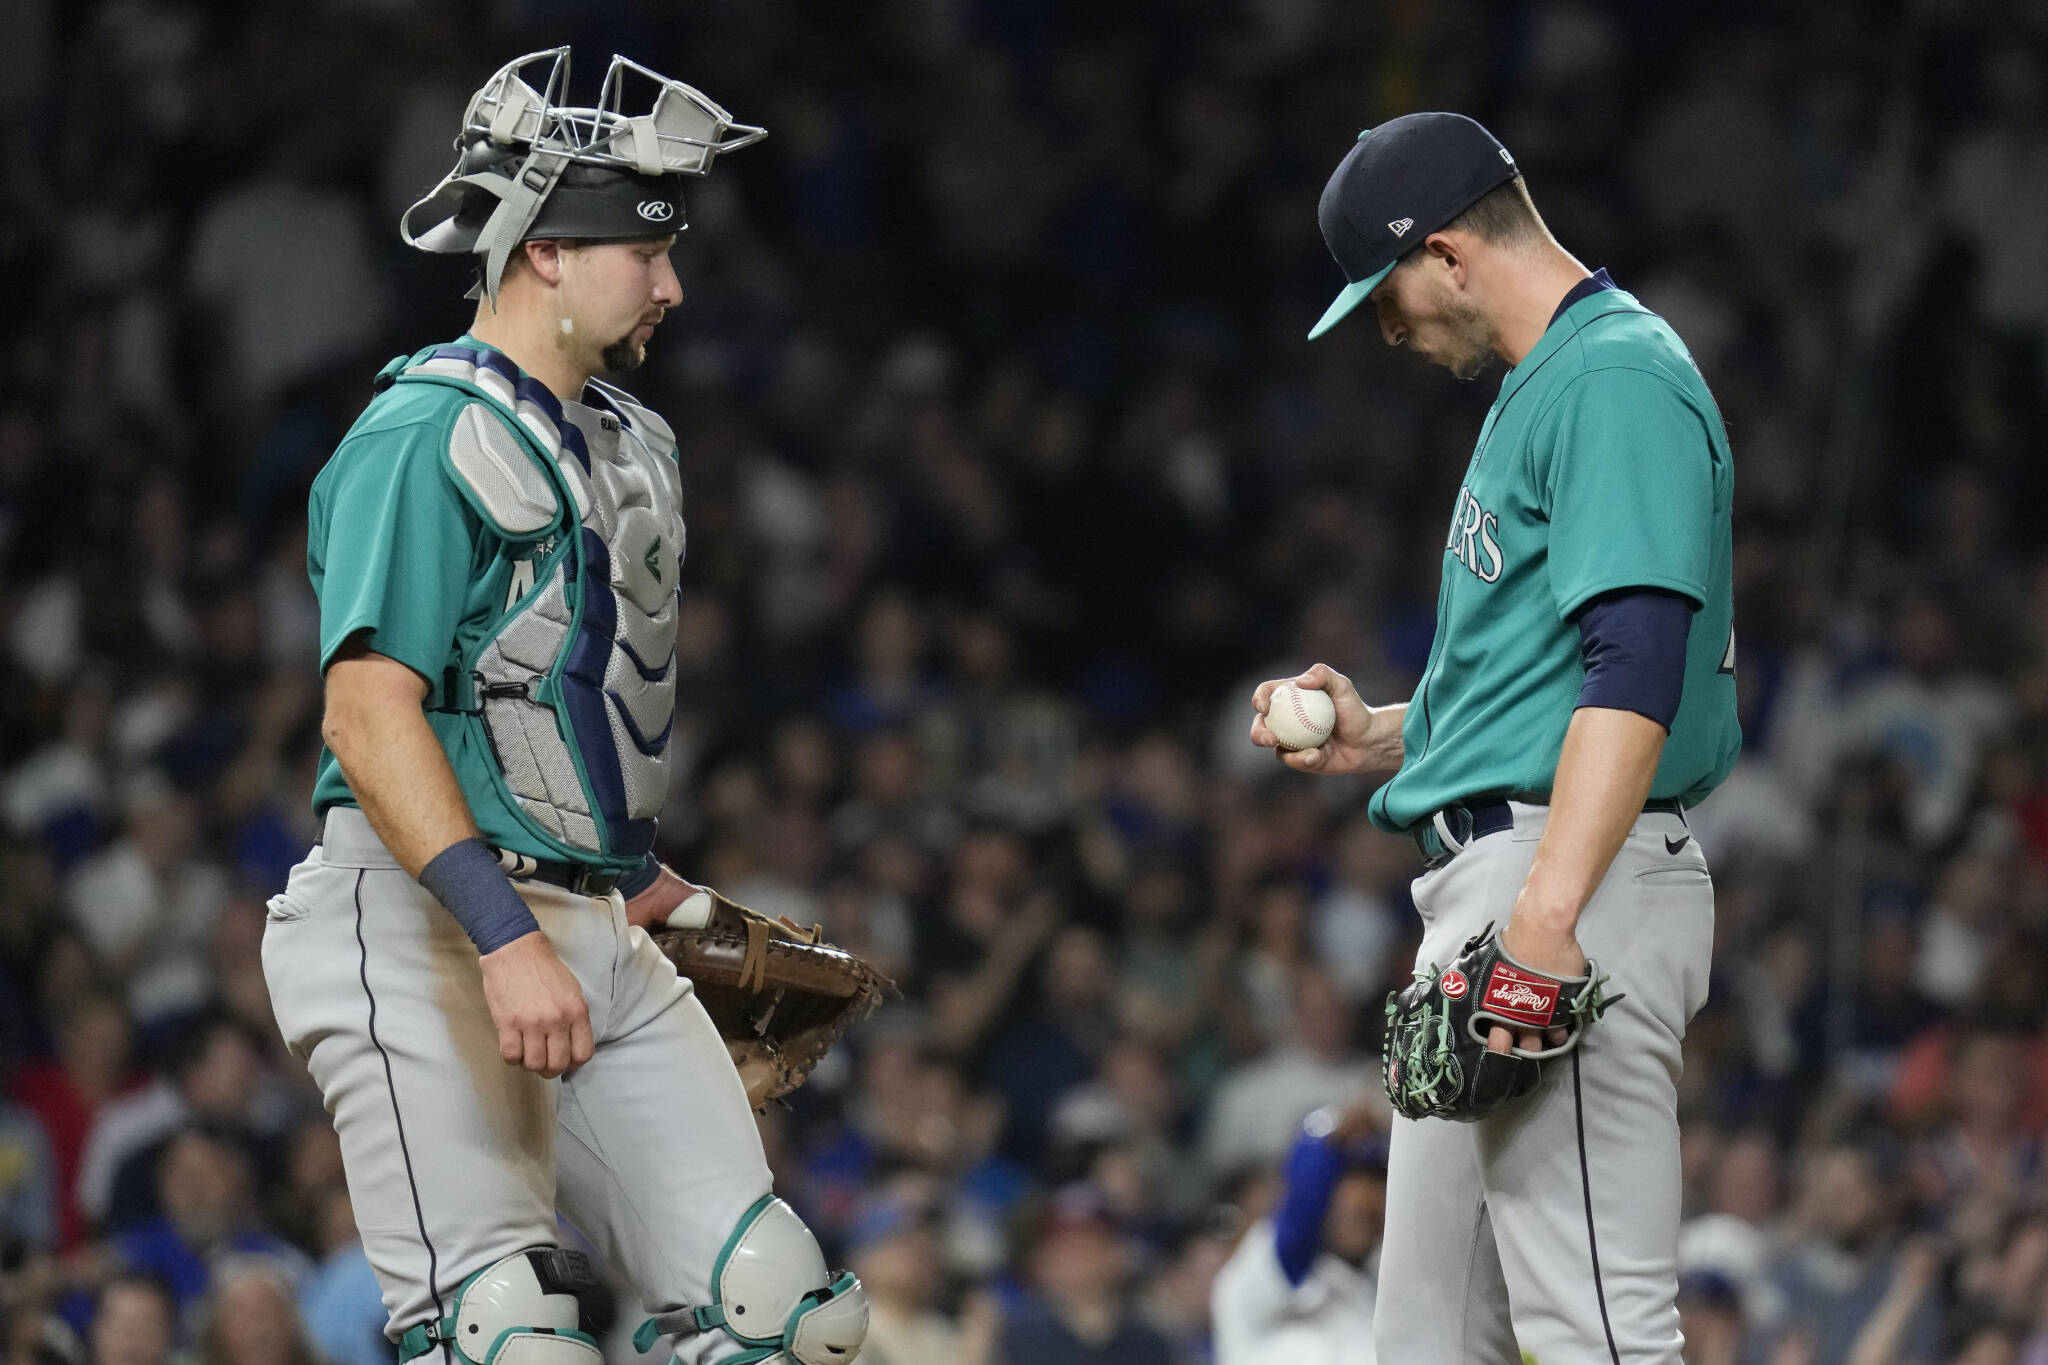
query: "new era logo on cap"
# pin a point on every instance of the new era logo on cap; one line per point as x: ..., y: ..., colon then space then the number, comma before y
x: 1399, y: 227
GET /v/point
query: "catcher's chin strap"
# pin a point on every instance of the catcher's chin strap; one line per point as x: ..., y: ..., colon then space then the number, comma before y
x: 519, y: 201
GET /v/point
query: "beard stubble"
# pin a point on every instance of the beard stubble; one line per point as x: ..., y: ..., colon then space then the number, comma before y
x: 623, y: 355
x: 1471, y: 339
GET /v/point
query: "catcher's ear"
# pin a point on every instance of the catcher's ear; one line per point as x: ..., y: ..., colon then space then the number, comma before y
x: 693, y: 913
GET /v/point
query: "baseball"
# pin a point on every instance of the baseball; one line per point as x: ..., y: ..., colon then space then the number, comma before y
x: 1300, y: 718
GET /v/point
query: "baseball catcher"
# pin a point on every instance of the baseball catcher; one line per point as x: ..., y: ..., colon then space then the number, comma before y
x: 497, y: 547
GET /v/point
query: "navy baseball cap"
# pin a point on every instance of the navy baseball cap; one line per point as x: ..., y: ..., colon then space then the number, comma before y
x: 1403, y: 180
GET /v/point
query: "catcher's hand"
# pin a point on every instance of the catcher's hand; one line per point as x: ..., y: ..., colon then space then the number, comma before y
x: 662, y: 899
x: 779, y: 995
x: 1436, y: 1062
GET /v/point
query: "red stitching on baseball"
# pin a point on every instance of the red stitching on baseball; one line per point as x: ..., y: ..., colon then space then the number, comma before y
x: 1301, y: 714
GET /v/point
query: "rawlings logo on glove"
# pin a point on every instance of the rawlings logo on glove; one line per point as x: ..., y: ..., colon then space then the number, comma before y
x: 1435, y: 1062
x: 1522, y: 999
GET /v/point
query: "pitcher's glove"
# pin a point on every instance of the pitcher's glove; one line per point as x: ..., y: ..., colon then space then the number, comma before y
x: 1435, y: 1061
x: 779, y: 994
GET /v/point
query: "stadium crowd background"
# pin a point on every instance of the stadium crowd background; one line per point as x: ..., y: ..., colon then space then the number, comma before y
x: 1008, y: 473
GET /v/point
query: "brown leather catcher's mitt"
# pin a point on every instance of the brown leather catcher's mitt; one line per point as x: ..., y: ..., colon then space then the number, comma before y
x: 780, y: 995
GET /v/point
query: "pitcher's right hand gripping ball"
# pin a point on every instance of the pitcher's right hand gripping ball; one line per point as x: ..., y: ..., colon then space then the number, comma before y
x: 1435, y: 1061
x: 779, y: 995
x: 1299, y: 717
x: 1344, y: 739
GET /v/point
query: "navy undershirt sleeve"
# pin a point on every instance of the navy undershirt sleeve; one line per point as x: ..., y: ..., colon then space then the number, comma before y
x: 1313, y: 1169
x: 1633, y: 645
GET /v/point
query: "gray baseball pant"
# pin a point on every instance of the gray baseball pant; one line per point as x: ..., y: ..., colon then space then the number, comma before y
x: 456, y: 1159
x: 1548, y: 1231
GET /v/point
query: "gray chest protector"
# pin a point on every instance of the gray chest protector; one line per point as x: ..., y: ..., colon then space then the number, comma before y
x: 573, y: 687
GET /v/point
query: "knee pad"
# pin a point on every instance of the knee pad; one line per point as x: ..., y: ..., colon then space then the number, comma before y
x: 541, y: 1306
x: 771, y: 1293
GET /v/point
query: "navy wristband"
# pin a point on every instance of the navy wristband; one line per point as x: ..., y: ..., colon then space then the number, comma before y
x: 466, y: 878
x: 640, y: 878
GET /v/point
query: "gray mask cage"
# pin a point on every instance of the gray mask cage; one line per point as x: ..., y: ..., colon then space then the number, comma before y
x: 516, y: 143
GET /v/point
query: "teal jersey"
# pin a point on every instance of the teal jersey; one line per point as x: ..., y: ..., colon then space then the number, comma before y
x: 1602, y: 465
x: 402, y: 555
x: 396, y: 553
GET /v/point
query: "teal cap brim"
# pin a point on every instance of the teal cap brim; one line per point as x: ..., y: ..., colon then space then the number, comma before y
x: 1353, y: 295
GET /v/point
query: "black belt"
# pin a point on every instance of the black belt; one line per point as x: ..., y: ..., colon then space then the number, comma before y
x: 1465, y: 821
x: 579, y: 879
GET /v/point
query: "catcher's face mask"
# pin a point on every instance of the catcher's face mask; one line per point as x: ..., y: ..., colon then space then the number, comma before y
x: 529, y: 166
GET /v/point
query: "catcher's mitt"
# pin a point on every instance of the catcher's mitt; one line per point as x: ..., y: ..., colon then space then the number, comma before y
x: 780, y: 995
x: 1435, y: 1060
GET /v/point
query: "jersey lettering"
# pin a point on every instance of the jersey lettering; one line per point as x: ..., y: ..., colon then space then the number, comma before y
x: 1495, y: 563
x: 524, y: 571
x: 522, y: 581
x: 1472, y: 540
x: 1728, y: 659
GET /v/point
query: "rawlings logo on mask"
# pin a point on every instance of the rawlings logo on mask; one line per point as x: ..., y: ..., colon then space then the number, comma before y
x: 656, y: 210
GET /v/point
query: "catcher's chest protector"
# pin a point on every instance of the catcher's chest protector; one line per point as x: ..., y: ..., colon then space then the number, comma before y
x: 574, y: 687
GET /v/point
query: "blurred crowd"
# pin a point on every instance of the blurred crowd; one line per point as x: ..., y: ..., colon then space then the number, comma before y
x: 1008, y: 472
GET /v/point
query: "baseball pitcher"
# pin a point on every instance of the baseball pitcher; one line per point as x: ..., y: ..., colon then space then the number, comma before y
x: 1580, y: 694
x: 461, y: 960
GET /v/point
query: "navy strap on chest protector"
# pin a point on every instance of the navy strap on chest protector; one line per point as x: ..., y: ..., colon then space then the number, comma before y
x: 580, y: 673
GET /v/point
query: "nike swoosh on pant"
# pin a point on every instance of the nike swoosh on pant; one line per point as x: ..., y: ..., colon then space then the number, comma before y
x: 1674, y: 845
